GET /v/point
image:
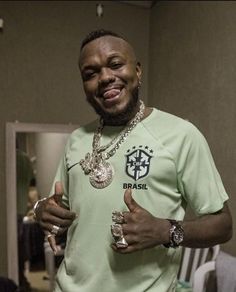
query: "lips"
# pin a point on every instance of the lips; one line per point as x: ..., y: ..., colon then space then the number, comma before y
x: 111, y: 93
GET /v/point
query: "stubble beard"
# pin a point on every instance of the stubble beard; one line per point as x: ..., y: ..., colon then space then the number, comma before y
x: 120, y: 118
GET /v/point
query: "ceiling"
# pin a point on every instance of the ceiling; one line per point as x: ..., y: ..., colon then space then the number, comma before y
x: 145, y: 4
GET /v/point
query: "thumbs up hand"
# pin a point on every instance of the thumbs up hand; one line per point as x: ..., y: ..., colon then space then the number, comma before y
x: 141, y: 229
x: 53, y: 216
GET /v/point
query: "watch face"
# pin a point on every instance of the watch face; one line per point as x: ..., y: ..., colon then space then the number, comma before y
x: 178, y: 236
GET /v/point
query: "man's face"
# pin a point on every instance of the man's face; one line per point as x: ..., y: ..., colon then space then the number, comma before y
x: 111, y: 77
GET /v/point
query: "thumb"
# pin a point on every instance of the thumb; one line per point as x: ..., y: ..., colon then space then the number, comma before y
x: 130, y: 202
x: 58, y: 192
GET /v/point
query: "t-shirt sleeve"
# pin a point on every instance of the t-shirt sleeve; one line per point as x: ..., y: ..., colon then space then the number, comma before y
x: 198, y: 178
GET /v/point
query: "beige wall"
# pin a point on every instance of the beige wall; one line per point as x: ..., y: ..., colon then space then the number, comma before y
x: 193, y: 72
x: 39, y: 78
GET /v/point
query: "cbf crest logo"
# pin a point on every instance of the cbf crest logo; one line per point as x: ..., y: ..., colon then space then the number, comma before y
x: 138, y: 162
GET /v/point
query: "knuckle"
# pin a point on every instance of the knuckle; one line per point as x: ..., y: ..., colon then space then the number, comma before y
x: 63, y: 223
x: 44, y: 216
x: 135, y: 228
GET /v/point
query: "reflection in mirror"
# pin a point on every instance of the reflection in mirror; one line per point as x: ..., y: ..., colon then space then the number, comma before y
x: 37, y: 157
x: 32, y: 159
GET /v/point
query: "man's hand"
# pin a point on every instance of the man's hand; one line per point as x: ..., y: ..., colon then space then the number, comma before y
x: 51, y: 212
x: 141, y: 229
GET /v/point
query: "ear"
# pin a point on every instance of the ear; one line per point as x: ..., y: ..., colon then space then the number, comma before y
x: 139, y: 70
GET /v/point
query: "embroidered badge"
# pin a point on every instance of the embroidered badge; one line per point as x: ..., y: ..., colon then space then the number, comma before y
x: 138, y: 162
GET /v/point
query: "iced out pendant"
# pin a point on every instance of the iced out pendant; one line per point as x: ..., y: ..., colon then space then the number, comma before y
x: 101, y: 175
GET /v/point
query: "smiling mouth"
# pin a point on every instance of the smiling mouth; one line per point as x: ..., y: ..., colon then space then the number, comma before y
x: 111, y: 93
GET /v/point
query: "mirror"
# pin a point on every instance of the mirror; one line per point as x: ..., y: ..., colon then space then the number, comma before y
x: 37, y: 148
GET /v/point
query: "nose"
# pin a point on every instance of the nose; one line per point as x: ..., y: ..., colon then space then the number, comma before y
x: 106, y: 76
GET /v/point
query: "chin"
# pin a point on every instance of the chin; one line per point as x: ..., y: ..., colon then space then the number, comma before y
x: 118, y: 114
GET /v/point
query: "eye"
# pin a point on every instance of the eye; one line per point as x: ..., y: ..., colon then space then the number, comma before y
x: 116, y: 65
x: 89, y: 74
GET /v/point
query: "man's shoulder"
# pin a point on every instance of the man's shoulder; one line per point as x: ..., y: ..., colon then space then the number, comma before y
x: 85, y: 129
x: 82, y: 132
x: 164, y: 123
x: 175, y: 133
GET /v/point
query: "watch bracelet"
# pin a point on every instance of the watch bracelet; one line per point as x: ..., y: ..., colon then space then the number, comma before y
x: 174, y: 225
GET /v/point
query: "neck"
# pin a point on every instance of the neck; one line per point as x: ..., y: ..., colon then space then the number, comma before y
x: 124, y: 118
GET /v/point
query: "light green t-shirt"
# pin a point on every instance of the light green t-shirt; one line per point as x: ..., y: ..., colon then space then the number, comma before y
x: 168, y: 164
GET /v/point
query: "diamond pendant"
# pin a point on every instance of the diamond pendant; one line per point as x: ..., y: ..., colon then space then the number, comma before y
x: 101, y: 175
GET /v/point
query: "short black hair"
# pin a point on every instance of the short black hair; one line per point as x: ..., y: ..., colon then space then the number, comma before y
x: 97, y: 34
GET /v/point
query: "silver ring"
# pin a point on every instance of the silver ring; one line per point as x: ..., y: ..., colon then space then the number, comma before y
x: 50, y: 235
x: 55, y: 229
x: 117, y: 217
x: 121, y: 243
x: 117, y: 233
x: 116, y: 230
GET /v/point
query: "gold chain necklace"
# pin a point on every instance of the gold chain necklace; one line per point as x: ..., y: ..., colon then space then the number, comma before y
x: 100, y: 171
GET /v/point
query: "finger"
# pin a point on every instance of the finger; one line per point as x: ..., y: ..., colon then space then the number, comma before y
x: 58, y: 192
x: 131, y: 239
x: 58, y: 188
x: 57, y: 221
x: 52, y: 242
x: 47, y: 227
x: 58, y: 211
x: 61, y: 231
x: 128, y: 249
x: 128, y: 229
x: 130, y: 202
x: 127, y: 216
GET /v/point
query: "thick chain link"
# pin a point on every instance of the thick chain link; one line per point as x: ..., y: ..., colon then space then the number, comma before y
x: 120, y: 138
x: 98, y: 155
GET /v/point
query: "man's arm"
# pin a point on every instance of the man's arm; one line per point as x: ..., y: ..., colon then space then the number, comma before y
x: 208, y: 230
x: 142, y: 230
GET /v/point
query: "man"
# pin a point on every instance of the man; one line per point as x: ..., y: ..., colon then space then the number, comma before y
x: 135, y: 169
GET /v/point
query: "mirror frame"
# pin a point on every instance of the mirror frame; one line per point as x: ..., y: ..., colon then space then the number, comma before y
x: 11, y: 215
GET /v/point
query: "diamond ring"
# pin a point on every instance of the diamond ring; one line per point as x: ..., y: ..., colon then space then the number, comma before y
x: 117, y: 217
x: 55, y: 229
x: 50, y: 235
x: 117, y: 233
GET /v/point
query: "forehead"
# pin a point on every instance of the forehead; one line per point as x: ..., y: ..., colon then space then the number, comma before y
x: 105, y: 47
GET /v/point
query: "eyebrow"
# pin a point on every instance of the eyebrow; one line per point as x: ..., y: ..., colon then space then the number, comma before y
x: 94, y: 66
x: 114, y: 55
